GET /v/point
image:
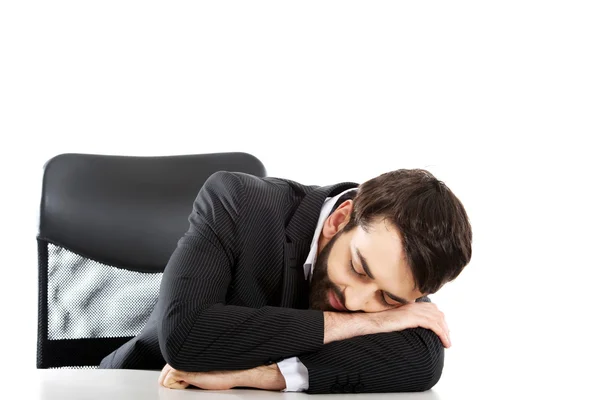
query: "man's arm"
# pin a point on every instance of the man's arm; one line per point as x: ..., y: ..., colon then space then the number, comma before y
x: 338, y: 326
x: 405, y: 355
x: 424, y: 363
x: 197, y: 331
x: 405, y: 361
x: 401, y: 374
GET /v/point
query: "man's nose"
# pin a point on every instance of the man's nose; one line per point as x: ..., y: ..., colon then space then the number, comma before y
x: 358, y: 298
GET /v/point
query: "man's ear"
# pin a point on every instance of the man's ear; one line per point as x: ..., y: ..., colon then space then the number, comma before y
x: 337, y: 220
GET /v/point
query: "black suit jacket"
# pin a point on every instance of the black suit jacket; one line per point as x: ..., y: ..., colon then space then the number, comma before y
x: 233, y: 296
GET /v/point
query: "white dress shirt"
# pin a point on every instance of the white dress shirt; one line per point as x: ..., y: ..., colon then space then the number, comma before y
x: 292, y: 369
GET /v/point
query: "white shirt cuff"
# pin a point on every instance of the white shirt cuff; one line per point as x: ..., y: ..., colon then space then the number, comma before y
x: 294, y: 373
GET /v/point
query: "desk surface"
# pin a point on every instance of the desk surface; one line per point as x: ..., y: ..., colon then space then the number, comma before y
x: 59, y: 384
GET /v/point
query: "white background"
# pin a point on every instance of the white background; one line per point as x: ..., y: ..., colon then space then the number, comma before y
x: 500, y: 100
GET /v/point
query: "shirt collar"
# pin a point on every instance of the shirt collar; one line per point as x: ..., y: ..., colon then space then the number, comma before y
x: 312, y: 254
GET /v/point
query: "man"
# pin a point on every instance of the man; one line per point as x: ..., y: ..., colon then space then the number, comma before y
x: 282, y: 286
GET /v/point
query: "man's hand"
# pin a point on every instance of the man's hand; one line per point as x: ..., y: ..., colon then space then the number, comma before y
x: 266, y: 377
x: 217, y: 380
x: 341, y: 325
x: 414, y: 315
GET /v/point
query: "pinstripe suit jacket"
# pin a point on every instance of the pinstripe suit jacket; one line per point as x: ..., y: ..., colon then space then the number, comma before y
x: 233, y: 296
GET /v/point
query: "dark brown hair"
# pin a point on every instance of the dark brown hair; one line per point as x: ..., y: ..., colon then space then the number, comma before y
x: 432, y: 222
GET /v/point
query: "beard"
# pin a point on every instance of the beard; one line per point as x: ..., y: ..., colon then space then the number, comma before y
x: 320, y: 284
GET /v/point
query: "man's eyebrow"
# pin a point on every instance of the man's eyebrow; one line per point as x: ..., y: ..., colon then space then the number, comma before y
x: 364, y: 263
x: 365, y: 266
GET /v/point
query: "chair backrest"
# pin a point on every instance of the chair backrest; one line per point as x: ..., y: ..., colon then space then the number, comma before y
x: 107, y: 228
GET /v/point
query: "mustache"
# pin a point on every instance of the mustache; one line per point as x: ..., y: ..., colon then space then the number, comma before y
x: 339, y: 294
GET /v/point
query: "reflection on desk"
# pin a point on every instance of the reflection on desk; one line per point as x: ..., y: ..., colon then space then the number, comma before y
x: 92, y: 384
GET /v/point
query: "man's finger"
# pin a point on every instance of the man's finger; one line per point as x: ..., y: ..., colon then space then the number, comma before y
x: 445, y: 327
x: 447, y: 333
x: 175, y: 380
x: 439, y: 330
x: 163, y: 373
x: 174, y: 383
x: 445, y: 337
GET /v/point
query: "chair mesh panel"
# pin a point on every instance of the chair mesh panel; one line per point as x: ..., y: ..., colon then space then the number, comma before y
x: 88, y: 299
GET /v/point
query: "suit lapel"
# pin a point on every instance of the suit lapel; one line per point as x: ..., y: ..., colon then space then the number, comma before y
x: 295, y: 288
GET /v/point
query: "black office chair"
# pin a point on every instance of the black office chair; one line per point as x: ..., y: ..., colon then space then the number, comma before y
x: 108, y: 226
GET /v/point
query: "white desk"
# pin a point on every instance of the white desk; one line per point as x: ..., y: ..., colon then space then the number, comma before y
x: 62, y: 384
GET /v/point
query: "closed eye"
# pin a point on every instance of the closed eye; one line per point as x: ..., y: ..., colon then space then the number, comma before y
x: 354, y: 269
x: 382, y: 298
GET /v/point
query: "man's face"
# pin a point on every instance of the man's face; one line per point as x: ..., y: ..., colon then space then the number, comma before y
x: 382, y: 279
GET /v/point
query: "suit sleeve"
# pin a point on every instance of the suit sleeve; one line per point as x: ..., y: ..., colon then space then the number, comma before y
x: 410, y: 360
x: 406, y: 361
x: 197, y: 330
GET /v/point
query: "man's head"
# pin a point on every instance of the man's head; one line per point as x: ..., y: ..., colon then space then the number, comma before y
x: 403, y: 236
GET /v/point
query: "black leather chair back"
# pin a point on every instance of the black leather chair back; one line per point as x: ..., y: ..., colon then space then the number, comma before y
x: 107, y: 227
